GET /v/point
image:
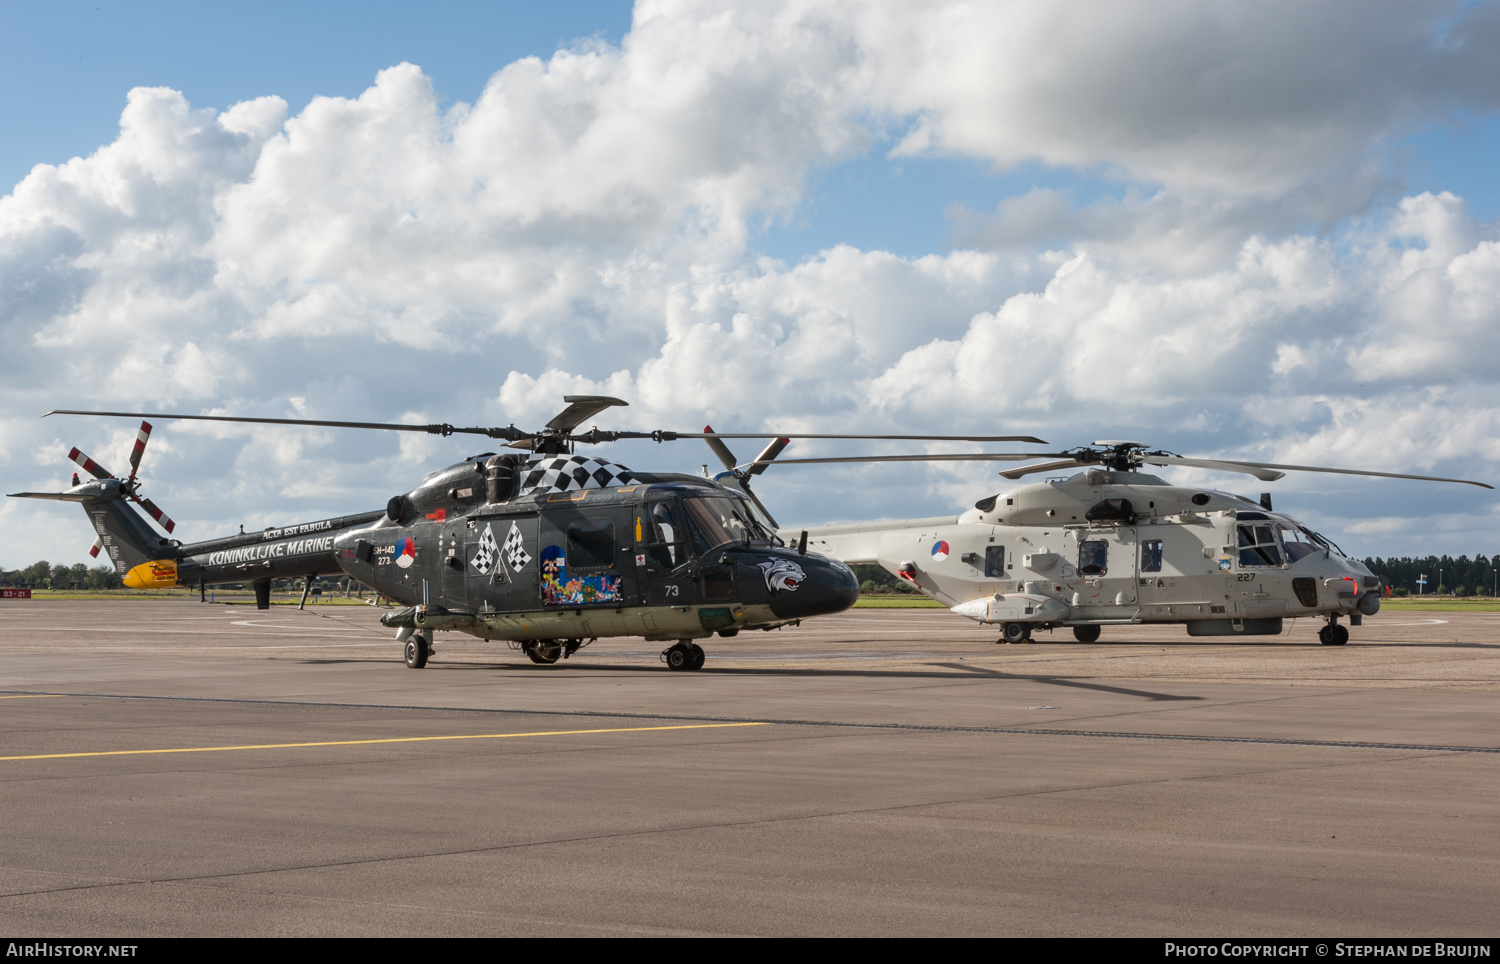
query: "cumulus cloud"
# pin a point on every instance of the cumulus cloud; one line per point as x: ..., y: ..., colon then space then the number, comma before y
x: 584, y: 226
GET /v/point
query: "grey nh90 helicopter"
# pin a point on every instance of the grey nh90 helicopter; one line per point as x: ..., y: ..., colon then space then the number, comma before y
x: 547, y: 549
x: 1112, y: 545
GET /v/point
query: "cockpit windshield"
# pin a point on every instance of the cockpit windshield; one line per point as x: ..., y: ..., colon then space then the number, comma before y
x: 719, y: 520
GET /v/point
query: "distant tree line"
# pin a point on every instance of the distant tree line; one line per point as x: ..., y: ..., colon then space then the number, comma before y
x: 1445, y: 575
x: 44, y: 575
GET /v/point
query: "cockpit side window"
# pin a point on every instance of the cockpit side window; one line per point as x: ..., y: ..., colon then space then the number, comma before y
x: 1259, y: 545
x: 666, y: 540
x: 1297, y: 544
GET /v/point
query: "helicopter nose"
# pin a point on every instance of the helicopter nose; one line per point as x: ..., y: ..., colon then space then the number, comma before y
x: 828, y: 586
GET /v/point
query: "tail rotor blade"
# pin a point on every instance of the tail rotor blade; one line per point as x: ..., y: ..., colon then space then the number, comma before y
x: 155, y: 513
x: 98, y: 544
x: 720, y: 450
x: 139, y: 449
x: 89, y: 465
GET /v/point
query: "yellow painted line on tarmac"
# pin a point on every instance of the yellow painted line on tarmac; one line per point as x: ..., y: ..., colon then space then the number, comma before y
x: 35, y: 696
x: 398, y: 739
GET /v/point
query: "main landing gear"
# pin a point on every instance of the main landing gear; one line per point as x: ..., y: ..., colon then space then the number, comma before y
x: 543, y: 651
x: 686, y: 655
x: 1086, y: 634
x: 1333, y: 634
x: 548, y: 651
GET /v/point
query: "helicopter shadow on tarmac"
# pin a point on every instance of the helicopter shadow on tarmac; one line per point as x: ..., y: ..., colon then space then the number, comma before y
x: 750, y: 671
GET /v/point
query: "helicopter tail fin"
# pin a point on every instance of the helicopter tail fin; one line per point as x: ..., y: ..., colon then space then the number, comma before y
x: 119, y: 529
x: 127, y: 538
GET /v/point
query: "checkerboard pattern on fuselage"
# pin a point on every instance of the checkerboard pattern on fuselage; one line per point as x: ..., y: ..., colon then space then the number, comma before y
x: 568, y: 473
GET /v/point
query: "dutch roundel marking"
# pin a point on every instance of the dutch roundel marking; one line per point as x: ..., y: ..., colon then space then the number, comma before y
x: 406, y: 552
x: 939, y: 551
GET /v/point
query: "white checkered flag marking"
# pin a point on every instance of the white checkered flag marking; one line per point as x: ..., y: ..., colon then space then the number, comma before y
x: 515, y: 552
x: 489, y: 549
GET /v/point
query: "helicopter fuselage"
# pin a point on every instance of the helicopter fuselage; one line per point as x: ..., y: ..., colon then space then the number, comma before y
x: 668, y: 557
x: 1105, y: 547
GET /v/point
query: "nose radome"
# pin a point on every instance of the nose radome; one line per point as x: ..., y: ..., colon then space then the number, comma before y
x: 827, y: 587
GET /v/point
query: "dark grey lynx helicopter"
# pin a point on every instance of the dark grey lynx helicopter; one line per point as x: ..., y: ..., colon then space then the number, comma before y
x: 545, y: 548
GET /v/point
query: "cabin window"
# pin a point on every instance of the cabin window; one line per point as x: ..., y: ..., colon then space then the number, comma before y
x: 994, y: 562
x: 1151, y: 555
x: 591, y: 545
x: 1258, y: 545
x: 1093, y: 557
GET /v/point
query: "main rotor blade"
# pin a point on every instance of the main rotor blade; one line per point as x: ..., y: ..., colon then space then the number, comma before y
x: 974, y: 457
x: 1264, y: 474
x: 720, y: 450
x: 1250, y: 467
x: 1046, y: 467
x: 510, y: 432
x: 898, y: 438
x: 768, y: 454
x: 580, y: 409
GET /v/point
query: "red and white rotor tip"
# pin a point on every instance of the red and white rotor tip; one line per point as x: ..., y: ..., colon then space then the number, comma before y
x: 140, y: 447
x: 155, y: 513
x: 89, y: 465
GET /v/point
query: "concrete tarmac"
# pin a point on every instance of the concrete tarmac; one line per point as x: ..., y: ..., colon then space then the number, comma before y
x: 175, y: 768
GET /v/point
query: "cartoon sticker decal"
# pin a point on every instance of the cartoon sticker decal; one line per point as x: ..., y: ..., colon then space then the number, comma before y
x: 561, y: 589
x: 782, y: 574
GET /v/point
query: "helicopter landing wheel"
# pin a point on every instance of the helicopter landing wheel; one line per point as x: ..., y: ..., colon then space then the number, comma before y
x: 1333, y: 635
x: 1015, y: 633
x: 417, y: 651
x: 682, y: 658
x: 544, y: 653
x: 1086, y: 634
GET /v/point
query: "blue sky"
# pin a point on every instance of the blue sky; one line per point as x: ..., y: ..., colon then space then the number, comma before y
x: 67, y: 66
x: 1172, y: 221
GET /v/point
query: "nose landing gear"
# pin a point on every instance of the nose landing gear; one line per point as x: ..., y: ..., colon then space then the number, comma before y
x: 1015, y: 633
x: 417, y: 651
x: 1333, y: 634
x: 686, y: 655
